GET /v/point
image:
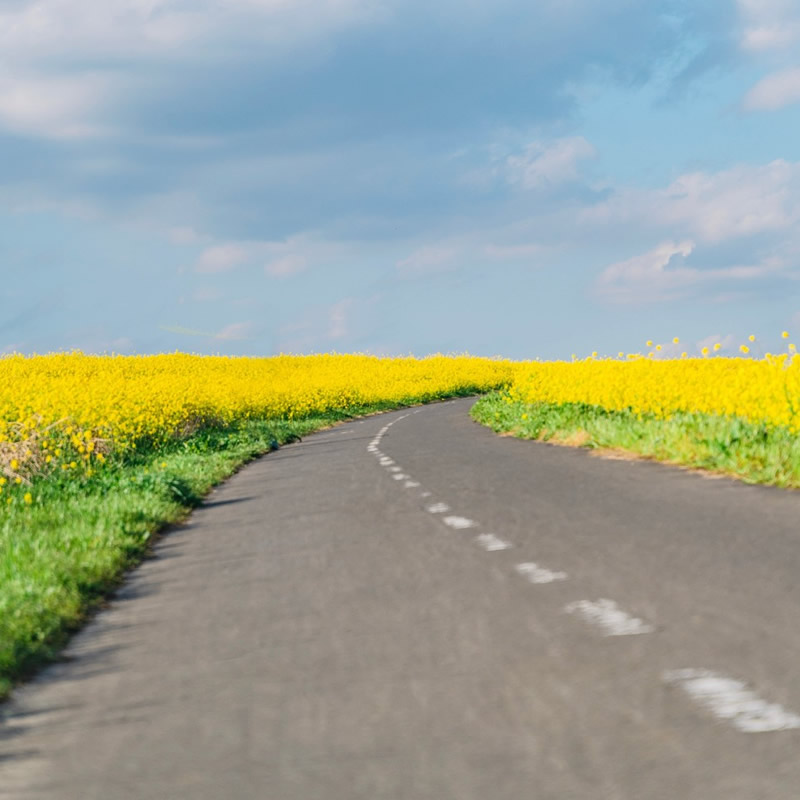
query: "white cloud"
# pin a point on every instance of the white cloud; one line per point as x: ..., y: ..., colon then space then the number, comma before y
x: 45, y: 90
x: 660, y: 274
x: 287, y: 265
x: 235, y: 332
x: 769, y: 24
x: 431, y: 258
x: 712, y: 207
x: 52, y: 107
x: 124, y: 28
x: 221, y: 258
x: 544, y: 165
x: 775, y: 91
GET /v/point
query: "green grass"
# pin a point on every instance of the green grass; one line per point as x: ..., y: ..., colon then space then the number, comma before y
x: 61, y: 556
x: 727, y: 445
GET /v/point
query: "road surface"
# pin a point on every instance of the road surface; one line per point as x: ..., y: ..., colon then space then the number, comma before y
x: 412, y: 608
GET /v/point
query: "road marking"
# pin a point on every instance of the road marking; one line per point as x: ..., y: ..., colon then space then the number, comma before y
x: 490, y: 542
x: 401, y: 476
x: 386, y: 462
x: 608, y: 615
x: 438, y: 508
x: 426, y: 494
x: 729, y: 699
x: 395, y: 469
x: 459, y: 523
x: 536, y: 574
x: 411, y: 484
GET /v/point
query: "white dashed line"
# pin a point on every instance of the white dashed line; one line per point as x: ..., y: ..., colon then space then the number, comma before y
x: 731, y: 700
x: 607, y: 615
x: 490, y: 542
x: 399, y: 476
x: 536, y: 574
x: 426, y: 494
x: 411, y: 484
x: 438, y: 508
x: 459, y: 523
x: 395, y: 469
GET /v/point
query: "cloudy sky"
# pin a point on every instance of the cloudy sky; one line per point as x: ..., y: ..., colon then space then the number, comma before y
x: 398, y: 176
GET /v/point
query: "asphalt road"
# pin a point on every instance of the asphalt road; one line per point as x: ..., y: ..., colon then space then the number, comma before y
x: 423, y: 610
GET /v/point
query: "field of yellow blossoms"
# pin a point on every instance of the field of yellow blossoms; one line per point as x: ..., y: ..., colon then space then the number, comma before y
x: 70, y: 412
x: 766, y: 390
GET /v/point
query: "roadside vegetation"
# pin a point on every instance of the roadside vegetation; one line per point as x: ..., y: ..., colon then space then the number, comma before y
x: 734, y: 416
x: 97, y: 454
x: 753, y: 452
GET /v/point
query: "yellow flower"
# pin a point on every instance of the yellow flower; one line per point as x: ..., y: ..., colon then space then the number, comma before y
x: 684, y: 354
x: 3, y: 481
x: 14, y: 464
x: 751, y: 337
x: 785, y: 334
x: 594, y: 353
x: 704, y: 351
x: 620, y: 354
x: 649, y: 342
x: 676, y: 340
x: 28, y: 498
x: 792, y: 347
x: 744, y: 348
x: 717, y: 347
x: 658, y: 347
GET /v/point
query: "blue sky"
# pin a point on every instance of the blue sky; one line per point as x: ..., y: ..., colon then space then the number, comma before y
x: 505, y: 178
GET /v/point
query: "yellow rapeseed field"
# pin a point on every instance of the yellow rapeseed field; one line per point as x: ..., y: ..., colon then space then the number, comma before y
x: 762, y: 391
x: 70, y: 411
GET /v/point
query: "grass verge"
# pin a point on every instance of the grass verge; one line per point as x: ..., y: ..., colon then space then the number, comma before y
x: 725, y: 445
x: 61, y: 556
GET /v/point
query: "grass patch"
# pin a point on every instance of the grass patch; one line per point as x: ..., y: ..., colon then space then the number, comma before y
x: 754, y: 453
x: 61, y: 556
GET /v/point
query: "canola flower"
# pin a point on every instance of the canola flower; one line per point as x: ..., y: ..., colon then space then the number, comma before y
x: 761, y: 391
x: 68, y: 413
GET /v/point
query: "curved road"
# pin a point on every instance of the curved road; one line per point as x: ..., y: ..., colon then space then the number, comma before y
x: 413, y: 608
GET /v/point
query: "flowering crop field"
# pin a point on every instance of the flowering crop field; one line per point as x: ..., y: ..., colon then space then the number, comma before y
x: 759, y: 391
x: 737, y: 416
x: 69, y: 413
